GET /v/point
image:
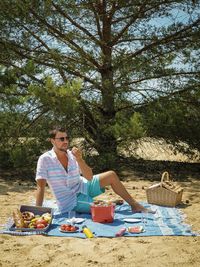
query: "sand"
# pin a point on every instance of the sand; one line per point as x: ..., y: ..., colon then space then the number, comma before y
x: 123, y: 251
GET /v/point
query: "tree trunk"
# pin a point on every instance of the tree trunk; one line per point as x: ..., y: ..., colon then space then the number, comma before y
x: 106, y: 140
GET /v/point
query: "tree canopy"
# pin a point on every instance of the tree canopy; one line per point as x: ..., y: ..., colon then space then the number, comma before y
x: 108, y: 69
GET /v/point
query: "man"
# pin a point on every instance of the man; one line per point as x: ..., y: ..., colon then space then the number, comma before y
x: 61, y: 169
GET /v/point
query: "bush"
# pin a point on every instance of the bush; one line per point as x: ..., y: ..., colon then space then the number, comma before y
x: 21, y: 155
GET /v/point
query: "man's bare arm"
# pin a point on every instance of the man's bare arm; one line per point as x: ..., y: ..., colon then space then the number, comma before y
x: 41, y: 183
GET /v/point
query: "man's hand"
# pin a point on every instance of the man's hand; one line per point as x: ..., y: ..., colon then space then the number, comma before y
x: 77, y: 153
x: 85, y: 169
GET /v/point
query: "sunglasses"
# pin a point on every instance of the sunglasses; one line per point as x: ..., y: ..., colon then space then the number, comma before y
x: 62, y: 139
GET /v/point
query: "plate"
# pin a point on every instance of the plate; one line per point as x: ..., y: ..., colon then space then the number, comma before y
x: 136, y: 229
x: 76, y: 220
x: 131, y: 220
x: 63, y: 231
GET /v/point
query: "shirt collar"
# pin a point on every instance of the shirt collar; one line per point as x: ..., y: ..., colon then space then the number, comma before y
x: 53, y: 153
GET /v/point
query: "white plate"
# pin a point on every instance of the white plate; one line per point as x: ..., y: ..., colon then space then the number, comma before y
x: 131, y: 220
x: 75, y: 220
x: 63, y: 231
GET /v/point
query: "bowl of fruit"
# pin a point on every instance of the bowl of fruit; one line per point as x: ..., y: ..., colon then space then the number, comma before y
x: 31, y: 218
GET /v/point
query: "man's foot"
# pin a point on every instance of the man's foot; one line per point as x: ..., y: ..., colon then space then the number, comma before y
x: 137, y: 208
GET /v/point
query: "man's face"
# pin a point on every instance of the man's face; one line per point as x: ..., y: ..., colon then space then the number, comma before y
x: 60, y: 142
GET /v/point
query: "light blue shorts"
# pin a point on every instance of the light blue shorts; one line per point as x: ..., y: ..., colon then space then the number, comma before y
x: 93, y: 190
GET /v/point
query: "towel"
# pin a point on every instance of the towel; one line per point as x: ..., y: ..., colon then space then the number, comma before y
x: 166, y: 221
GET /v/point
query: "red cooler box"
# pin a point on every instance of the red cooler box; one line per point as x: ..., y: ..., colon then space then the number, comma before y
x: 103, y: 214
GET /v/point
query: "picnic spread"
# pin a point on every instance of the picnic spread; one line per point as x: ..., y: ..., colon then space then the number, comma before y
x: 107, y: 218
x: 114, y: 221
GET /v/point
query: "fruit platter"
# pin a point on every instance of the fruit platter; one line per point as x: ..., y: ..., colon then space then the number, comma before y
x: 31, y: 218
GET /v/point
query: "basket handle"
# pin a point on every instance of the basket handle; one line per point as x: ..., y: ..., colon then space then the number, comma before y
x: 165, y: 176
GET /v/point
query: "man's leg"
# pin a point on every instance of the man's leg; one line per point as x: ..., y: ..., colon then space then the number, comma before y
x: 111, y: 178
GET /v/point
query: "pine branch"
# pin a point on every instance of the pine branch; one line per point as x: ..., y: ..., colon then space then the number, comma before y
x: 78, y: 26
x: 64, y: 37
x: 162, y: 76
x: 168, y: 38
x: 97, y: 21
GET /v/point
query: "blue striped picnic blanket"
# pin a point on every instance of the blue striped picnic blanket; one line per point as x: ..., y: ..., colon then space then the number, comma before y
x: 165, y: 222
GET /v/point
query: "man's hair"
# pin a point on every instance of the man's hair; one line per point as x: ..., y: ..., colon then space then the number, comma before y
x: 55, y: 130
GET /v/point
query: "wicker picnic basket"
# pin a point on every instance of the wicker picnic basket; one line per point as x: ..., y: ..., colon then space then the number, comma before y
x: 165, y: 193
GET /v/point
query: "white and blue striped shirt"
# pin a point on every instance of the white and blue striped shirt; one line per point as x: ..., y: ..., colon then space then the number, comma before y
x: 65, y: 185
